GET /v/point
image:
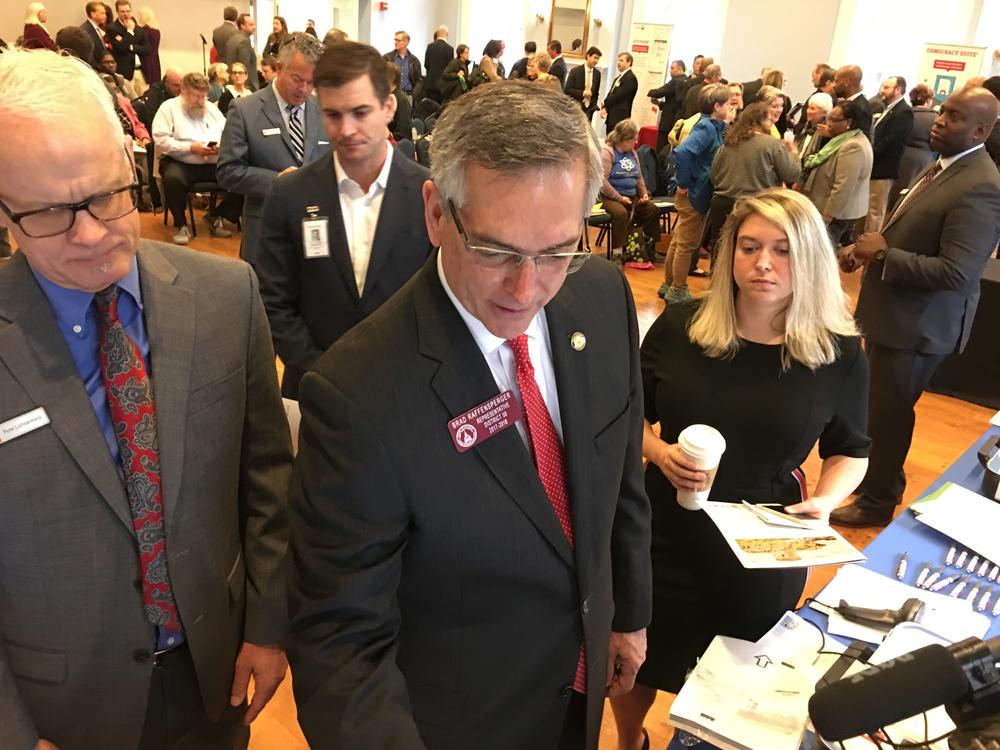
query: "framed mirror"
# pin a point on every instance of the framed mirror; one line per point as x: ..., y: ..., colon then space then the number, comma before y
x: 570, y: 20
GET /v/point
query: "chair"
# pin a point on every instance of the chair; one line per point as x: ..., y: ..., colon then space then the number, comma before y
x: 418, y: 124
x: 601, y: 219
x: 426, y: 108
x: 405, y: 147
x: 430, y: 122
x: 424, y: 152
x: 212, y: 189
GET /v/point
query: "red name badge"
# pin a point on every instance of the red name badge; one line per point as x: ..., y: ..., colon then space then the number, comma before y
x: 484, y: 421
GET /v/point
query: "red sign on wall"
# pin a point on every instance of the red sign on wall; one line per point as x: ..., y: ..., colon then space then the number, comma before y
x: 949, y: 65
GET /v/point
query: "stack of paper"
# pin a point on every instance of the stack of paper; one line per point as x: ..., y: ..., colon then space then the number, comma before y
x: 970, y: 519
x: 758, y: 543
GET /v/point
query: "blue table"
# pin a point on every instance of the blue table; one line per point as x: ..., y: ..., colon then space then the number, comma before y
x: 907, y: 534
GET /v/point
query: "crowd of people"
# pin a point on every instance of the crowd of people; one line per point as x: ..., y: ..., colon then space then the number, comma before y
x: 469, y: 551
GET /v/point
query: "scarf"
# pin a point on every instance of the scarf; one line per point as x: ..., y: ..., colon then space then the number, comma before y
x: 832, y: 147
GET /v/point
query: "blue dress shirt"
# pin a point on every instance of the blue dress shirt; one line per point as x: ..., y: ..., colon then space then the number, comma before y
x: 404, y: 72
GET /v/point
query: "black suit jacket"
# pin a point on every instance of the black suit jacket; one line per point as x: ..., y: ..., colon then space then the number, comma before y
x: 575, y: 82
x: 864, y: 123
x: 923, y: 296
x: 889, y: 138
x: 435, y: 600
x: 618, y: 102
x: 669, y: 98
x: 439, y: 53
x: 312, y: 302
x: 750, y: 91
x: 97, y: 38
x: 125, y: 46
x: 558, y: 70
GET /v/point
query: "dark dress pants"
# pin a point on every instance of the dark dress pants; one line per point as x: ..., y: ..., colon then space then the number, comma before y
x: 574, y: 731
x: 175, y: 716
x: 179, y: 176
x: 898, y: 377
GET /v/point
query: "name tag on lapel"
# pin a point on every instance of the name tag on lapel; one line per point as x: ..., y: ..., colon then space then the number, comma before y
x: 22, y: 425
x: 322, y: 143
x: 484, y: 421
x: 271, y: 131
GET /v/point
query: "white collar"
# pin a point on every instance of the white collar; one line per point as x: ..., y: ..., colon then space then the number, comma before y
x: 947, y: 161
x: 486, y: 341
x: 282, y: 104
x: 383, y: 176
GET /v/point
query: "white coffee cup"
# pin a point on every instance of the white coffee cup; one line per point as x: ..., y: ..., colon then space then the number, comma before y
x: 703, y: 446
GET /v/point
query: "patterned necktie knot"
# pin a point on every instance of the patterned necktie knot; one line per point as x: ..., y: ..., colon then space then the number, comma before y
x: 106, y: 302
x: 519, y: 345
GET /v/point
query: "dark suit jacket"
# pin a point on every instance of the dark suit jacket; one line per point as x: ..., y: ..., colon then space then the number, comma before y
x: 255, y: 147
x: 575, y: 82
x: 864, y: 123
x: 619, y: 99
x: 125, y: 46
x: 312, y: 302
x: 97, y: 38
x: 750, y: 91
x: 437, y: 56
x: 923, y: 297
x: 690, y: 106
x: 559, y: 69
x: 239, y: 49
x: 220, y: 38
x: 75, y: 646
x: 669, y: 98
x: 889, y: 138
x: 449, y: 613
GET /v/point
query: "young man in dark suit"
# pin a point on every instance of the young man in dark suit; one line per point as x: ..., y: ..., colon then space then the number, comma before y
x: 520, y: 68
x: 141, y: 409
x: 128, y: 41
x: 436, y: 58
x: 558, y: 67
x: 669, y: 98
x: 339, y: 236
x: 617, y: 105
x: 921, y: 288
x: 584, y: 82
x: 890, y: 135
x: 97, y: 18
x: 471, y: 564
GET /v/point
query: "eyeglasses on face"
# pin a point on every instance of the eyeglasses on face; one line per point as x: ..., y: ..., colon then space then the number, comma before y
x: 59, y: 219
x: 498, y: 259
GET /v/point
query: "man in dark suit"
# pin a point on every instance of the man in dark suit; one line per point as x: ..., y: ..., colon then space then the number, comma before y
x: 921, y: 287
x: 711, y: 73
x: 847, y: 85
x: 617, y: 105
x: 128, y: 42
x: 669, y: 98
x: 258, y: 143
x: 558, y: 67
x: 222, y: 32
x: 584, y: 82
x: 464, y: 576
x: 520, y: 68
x: 752, y: 88
x: 97, y: 18
x: 891, y: 133
x: 436, y: 58
x: 239, y: 49
x: 341, y: 235
x: 145, y: 454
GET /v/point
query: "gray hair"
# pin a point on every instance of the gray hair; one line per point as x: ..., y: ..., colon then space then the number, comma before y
x: 822, y: 100
x: 309, y: 46
x: 470, y: 132
x: 43, y: 87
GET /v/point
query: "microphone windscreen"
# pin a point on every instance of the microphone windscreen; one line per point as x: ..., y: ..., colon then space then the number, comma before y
x: 884, y: 694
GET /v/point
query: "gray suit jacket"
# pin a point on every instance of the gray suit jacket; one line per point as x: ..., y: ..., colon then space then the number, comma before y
x: 75, y: 647
x: 220, y: 38
x: 255, y: 147
x: 839, y: 186
x: 923, y: 297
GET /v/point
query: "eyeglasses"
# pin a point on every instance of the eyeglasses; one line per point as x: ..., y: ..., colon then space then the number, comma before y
x: 59, y: 219
x: 238, y: 73
x: 496, y: 259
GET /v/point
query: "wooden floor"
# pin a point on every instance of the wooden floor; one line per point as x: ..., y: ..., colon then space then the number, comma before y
x: 945, y: 428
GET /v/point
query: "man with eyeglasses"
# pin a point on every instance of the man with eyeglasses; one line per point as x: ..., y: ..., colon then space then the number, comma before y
x: 409, y: 66
x: 470, y: 529
x: 144, y: 451
x: 274, y: 131
x: 340, y: 235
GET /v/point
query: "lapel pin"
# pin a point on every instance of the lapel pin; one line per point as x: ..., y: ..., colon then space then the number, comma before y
x: 578, y: 341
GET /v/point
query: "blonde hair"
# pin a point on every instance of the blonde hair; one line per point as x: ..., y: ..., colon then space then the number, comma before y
x: 769, y: 93
x: 818, y: 311
x: 625, y: 130
x: 542, y: 61
x: 31, y: 14
x: 147, y: 17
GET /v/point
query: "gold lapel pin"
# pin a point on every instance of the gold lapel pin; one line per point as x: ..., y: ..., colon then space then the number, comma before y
x: 578, y: 341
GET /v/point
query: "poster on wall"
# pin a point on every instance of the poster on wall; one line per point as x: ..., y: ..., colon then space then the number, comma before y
x: 946, y: 67
x: 650, y: 48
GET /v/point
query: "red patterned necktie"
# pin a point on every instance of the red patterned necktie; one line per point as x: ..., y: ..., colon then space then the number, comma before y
x: 133, y: 414
x: 549, y: 460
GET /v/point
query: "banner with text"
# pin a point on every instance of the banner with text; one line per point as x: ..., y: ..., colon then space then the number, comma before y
x: 650, y: 48
x: 946, y: 67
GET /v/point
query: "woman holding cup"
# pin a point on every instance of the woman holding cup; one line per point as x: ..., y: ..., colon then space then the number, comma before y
x: 743, y: 383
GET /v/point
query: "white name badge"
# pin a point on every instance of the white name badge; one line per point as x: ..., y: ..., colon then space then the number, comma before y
x: 322, y: 143
x: 314, y: 241
x: 22, y: 425
x: 271, y: 131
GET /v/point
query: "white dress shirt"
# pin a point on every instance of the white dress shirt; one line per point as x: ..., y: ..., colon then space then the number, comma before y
x: 283, y: 109
x: 500, y: 359
x: 360, y: 211
x: 588, y: 80
x: 174, y: 130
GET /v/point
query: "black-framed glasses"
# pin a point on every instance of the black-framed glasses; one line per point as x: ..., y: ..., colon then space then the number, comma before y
x: 497, y: 259
x: 59, y: 219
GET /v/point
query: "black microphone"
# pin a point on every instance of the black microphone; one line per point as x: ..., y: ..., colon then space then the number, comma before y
x: 203, y: 39
x: 963, y: 677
